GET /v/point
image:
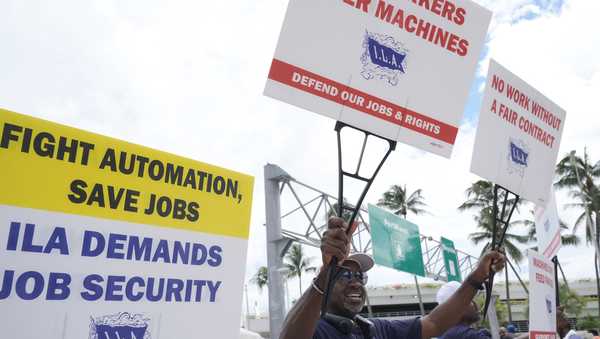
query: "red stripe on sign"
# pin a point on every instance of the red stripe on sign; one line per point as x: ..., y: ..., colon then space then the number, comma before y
x: 347, y: 96
x: 542, y: 335
x: 553, y: 244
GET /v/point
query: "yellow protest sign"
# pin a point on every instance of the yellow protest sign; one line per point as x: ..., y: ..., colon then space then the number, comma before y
x: 57, y: 168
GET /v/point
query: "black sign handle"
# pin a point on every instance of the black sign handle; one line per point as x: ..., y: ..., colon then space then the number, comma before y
x: 509, y: 203
x: 341, y: 207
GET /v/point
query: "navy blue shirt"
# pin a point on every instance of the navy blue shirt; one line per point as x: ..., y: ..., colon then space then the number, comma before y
x: 384, y: 329
x: 463, y: 331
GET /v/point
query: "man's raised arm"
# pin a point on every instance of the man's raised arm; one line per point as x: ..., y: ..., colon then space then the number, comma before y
x: 448, y: 314
x: 301, y: 320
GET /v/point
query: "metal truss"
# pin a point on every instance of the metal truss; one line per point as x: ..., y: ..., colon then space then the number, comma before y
x: 305, y: 220
x: 433, y: 258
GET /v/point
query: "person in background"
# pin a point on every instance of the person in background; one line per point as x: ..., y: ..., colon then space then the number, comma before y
x: 511, y: 329
x: 504, y: 334
x: 564, y: 327
x: 470, y: 316
x: 348, y: 295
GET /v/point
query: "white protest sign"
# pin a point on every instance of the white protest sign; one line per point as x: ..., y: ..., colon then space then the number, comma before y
x: 518, y: 136
x: 547, y: 227
x: 399, y: 69
x: 542, y: 297
x: 104, y: 239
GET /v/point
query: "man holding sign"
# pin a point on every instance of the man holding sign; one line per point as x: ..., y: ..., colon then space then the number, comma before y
x: 349, y: 294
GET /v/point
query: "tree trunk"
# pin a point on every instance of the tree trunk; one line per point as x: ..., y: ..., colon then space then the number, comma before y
x: 597, y: 284
x: 597, y: 244
x: 508, y: 296
x: 594, y: 230
x: 300, y: 283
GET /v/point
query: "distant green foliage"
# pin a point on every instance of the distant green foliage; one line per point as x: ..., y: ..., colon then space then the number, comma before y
x: 480, y: 199
x: 297, y: 263
x: 588, y: 323
x: 261, y: 277
x: 572, y: 303
x: 580, y: 175
x: 501, y: 309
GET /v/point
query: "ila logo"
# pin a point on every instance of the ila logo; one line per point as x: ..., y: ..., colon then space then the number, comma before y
x: 518, y: 157
x: 121, y: 325
x: 383, y: 58
x: 549, y: 307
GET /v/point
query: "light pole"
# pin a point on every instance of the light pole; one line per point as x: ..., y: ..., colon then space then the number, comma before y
x: 284, y: 271
x: 247, y: 307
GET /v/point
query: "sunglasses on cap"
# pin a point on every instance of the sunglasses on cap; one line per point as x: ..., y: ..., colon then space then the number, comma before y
x: 345, y: 276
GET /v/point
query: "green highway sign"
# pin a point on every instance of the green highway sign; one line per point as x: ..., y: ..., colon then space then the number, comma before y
x: 396, y: 242
x: 450, y: 260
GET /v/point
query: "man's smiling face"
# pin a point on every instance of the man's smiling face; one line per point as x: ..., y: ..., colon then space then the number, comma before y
x: 349, y: 295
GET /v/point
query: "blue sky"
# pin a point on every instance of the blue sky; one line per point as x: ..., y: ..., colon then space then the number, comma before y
x: 546, y: 7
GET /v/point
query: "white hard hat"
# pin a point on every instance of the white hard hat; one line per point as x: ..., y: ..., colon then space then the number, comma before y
x: 446, y: 291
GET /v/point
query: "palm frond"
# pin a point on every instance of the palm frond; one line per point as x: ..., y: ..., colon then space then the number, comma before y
x: 513, y: 252
x: 570, y: 240
x: 397, y: 200
x: 261, y: 277
x: 478, y: 237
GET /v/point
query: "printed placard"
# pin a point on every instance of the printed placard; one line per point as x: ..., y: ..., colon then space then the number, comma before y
x: 547, y: 227
x: 399, y: 69
x: 542, y: 297
x: 102, y: 239
x: 518, y: 136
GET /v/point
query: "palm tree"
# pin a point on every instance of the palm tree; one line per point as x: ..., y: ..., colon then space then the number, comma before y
x: 566, y: 239
x: 510, y: 239
x: 570, y: 301
x: 579, y: 175
x: 297, y: 263
x: 400, y: 202
x: 261, y: 277
x: 480, y: 197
